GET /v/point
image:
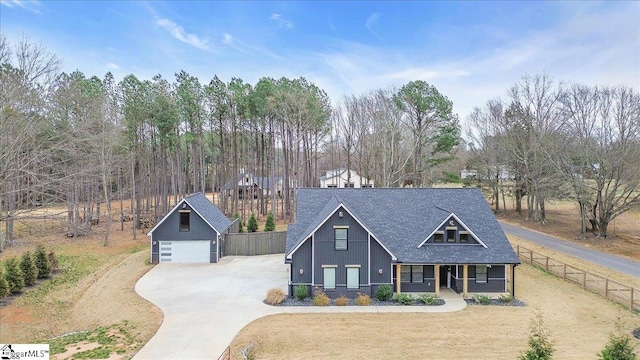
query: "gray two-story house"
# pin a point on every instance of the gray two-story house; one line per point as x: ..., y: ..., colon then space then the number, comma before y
x: 350, y: 241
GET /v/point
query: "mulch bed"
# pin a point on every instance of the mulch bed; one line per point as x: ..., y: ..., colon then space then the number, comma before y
x: 291, y: 301
x: 496, y: 302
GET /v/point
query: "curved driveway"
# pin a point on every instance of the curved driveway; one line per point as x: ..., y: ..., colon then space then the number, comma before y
x: 206, y: 305
x: 597, y: 257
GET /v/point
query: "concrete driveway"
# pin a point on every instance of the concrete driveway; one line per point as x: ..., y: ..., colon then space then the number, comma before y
x: 206, y: 305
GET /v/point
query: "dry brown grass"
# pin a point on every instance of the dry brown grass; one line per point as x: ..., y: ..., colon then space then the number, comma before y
x: 275, y: 296
x: 579, y: 323
x: 362, y: 300
x: 320, y: 299
x: 342, y: 301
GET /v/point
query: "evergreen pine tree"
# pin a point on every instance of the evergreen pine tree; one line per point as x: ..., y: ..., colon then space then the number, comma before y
x: 252, y: 224
x: 53, y: 261
x: 540, y: 346
x: 29, y: 269
x: 42, y: 263
x: 240, y: 223
x: 14, y: 275
x: 270, y: 224
x: 620, y: 346
x: 4, y: 285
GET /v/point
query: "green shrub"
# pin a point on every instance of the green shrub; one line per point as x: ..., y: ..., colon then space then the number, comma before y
x: 240, y: 223
x: 482, y: 299
x: 363, y: 300
x: 619, y: 346
x: 14, y: 275
x: 270, y: 224
x: 540, y: 345
x: 403, y: 298
x: 29, y: 269
x: 252, y: 224
x: 320, y: 298
x: 53, y: 261
x: 4, y: 285
x: 302, y: 292
x: 428, y: 299
x: 383, y: 293
x: 42, y: 262
x: 342, y: 301
x: 275, y: 296
x: 506, y: 298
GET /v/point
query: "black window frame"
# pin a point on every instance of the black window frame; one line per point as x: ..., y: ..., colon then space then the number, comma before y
x: 413, y: 274
x: 438, y: 237
x: 464, y: 237
x: 449, y: 238
x: 185, y: 226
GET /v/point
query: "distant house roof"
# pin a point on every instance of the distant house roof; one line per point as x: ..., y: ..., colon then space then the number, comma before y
x: 266, y: 183
x: 401, y: 219
x: 207, y: 211
x: 333, y: 173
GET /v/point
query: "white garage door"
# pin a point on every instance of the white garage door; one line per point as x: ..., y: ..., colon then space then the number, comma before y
x: 184, y: 251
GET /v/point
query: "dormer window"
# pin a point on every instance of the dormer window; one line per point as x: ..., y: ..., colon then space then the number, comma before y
x: 451, y: 234
x: 438, y: 237
x: 464, y: 237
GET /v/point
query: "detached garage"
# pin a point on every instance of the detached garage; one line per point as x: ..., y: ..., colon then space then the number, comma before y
x: 189, y: 233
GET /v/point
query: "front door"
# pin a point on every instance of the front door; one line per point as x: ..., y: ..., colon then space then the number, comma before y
x: 445, y: 276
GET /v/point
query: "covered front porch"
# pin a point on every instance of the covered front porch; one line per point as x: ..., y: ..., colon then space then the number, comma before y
x: 462, y: 279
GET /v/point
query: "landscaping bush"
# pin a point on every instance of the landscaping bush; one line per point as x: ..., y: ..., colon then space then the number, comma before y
x: 4, y: 285
x: 240, y: 223
x: 14, y: 275
x: 53, y: 261
x: 428, y: 299
x: 403, y: 298
x: 383, y: 293
x: 302, y: 292
x: 275, y: 296
x: 42, y: 262
x: 482, y: 299
x: 363, y: 300
x: 506, y: 298
x: 619, y: 346
x: 29, y: 269
x: 320, y: 298
x: 270, y: 224
x: 342, y: 301
x: 540, y: 346
x: 252, y: 224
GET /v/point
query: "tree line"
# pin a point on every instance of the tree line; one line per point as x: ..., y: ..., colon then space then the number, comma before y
x: 67, y: 138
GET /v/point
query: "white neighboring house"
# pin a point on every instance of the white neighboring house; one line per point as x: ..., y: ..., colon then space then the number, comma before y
x: 337, y: 178
x: 464, y: 173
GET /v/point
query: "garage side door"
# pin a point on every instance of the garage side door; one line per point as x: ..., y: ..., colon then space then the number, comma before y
x: 184, y: 251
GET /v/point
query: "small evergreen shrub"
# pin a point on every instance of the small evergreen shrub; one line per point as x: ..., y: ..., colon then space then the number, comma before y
x: 275, y: 296
x: 482, y: 299
x: 383, y: 293
x: 42, y: 262
x: 342, y: 301
x: 540, y: 345
x: 252, y: 224
x: 619, y: 346
x: 240, y: 223
x: 302, y: 292
x: 29, y: 269
x: 363, y: 300
x: 428, y: 299
x: 320, y: 299
x: 403, y: 298
x: 506, y: 298
x: 270, y: 224
x: 53, y: 261
x: 4, y: 285
x: 14, y: 275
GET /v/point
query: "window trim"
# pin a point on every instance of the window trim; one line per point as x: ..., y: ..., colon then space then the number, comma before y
x: 441, y: 235
x: 335, y: 238
x: 451, y: 230
x: 324, y: 277
x: 466, y: 235
x: 182, y: 226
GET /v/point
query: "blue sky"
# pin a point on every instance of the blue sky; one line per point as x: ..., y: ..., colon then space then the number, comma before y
x: 471, y: 51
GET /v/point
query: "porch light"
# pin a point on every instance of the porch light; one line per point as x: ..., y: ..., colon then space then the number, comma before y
x: 301, y: 271
x: 380, y: 271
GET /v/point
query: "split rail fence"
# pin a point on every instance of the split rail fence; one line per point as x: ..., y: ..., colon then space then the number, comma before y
x: 607, y: 288
x: 250, y: 244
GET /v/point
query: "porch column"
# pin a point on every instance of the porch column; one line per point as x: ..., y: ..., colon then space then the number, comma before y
x: 398, y: 270
x: 509, y: 276
x: 436, y: 270
x: 465, y: 280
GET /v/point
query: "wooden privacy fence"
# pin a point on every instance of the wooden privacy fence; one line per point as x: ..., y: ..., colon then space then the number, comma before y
x: 249, y: 244
x: 609, y: 289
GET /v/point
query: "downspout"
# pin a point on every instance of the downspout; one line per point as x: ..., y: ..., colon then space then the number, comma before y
x: 513, y: 280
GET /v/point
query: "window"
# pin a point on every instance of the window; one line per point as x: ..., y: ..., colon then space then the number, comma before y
x: 411, y: 274
x: 451, y: 235
x: 329, y: 274
x: 349, y: 185
x: 481, y: 273
x: 184, y: 220
x: 332, y: 186
x: 353, y: 278
x: 464, y: 237
x: 438, y: 237
x: 341, y: 238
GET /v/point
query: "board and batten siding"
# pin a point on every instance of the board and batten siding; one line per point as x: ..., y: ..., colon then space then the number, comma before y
x: 495, y: 280
x: 326, y: 254
x: 301, y: 259
x: 380, y: 259
x: 169, y: 230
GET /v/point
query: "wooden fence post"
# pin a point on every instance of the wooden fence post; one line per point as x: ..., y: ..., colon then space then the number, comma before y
x: 518, y: 251
x: 606, y: 288
x: 631, y: 302
x: 564, y: 274
x: 584, y: 279
x: 546, y: 264
x: 531, y: 256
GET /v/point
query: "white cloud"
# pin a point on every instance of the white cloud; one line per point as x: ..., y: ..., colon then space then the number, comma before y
x: 281, y: 21
x: 179, y: 33
x: 29, y: 5
x: 113, y: 66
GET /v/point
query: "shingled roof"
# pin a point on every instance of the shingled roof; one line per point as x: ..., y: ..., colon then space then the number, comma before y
x: 205, y: 208
x: 401, y: 219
